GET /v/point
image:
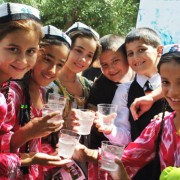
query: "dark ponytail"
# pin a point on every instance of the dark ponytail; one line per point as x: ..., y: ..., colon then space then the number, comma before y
x: 157, y: 168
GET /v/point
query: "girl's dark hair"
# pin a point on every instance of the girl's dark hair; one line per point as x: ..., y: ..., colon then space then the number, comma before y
x: 27, y: 25
x: 157, y: 168
x: 87, y: 34
x: 168, y: 57
x: 25, y: 110
x: 53, y: 41
x: 25, y: 115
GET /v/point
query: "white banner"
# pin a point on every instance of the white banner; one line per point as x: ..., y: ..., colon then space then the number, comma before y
x: 163, y: 16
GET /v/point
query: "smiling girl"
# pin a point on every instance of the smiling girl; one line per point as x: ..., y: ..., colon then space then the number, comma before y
x: 25, y: 128
x: 84, y: 50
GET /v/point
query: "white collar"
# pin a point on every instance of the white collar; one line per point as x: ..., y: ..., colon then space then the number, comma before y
x: 155, y: 80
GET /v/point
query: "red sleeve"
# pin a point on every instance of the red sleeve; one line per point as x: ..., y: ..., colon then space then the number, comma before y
x: 9, y: 165
x: 12, y: 118
x: 140, y: 152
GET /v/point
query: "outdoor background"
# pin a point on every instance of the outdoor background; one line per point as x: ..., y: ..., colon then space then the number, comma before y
x: 105, y: 16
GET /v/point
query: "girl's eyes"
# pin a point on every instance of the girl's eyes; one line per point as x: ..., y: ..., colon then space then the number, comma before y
x: 90, y: 56
x: 60, y: 65
x: 17, y: 51
x: 32, y: 51
x: 164, y: 82
x: 14, y: 50
x: 78, y: 50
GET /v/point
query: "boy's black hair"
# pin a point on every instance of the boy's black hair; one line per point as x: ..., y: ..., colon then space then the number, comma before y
x: 111, y: 42
x: 148, y: 35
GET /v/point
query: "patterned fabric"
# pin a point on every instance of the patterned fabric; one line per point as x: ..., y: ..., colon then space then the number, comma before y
x: 10, y: 166
x: 9, y: 163
x: 11, y: 124
x: 142, y: 150
x: 72, y: 101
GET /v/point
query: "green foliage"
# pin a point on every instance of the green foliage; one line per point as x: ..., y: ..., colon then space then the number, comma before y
x: 105, y: 16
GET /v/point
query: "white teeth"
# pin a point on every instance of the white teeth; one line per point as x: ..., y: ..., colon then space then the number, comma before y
x: 48, y: 77
x: 138, y: 64
x: 176, y: 100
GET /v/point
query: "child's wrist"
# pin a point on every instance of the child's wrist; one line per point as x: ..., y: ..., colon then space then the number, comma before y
x: 92, y: 155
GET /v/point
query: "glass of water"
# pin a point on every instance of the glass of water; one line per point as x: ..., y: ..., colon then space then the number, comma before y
x: 107, y: 113
x: 109, y: 151
x: 67, y: 142
x: 86, y: 118
x: 54, y: 98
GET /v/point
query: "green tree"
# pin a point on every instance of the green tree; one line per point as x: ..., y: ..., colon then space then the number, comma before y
x: 105, y: 16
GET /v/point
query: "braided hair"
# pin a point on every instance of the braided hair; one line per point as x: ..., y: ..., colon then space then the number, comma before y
x: 25, y: 110
x: 156, y: 163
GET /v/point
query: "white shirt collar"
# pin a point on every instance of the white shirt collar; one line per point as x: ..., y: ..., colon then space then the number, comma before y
x: 155, y: 80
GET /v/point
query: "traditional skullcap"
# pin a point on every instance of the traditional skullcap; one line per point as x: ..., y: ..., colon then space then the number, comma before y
x: 81, y: 26
x: 16, y: 11
x: 171, y: 48
x: 53, y: 32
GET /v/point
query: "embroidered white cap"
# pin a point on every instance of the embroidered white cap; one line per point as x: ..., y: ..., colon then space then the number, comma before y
x: 53, y: 32
x: 171, y: 48
x: 81, y: 26
x: 17, y: 11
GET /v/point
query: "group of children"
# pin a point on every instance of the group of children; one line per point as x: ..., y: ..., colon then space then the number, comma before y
x: 33, y: 57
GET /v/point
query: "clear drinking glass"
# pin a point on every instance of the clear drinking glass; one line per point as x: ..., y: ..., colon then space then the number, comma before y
x: 86, y: 118
x: 109, y: 151
x: 67, y: 142
x: 107, y: 113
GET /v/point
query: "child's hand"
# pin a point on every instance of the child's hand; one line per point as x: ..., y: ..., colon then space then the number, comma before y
x: 40, y: 127
x: 83, y: 154
x: 74, y: 120
x: 42, y: 159
x: 99, y: 124
x: 121, y: 173
x: 140, y: 106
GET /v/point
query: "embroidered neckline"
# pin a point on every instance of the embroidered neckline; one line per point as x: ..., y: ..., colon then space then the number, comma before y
x: 68, y: 95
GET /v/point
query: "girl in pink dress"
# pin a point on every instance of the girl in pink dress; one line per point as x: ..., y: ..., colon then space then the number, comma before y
x: 20, y: 33
x: 25, y: 129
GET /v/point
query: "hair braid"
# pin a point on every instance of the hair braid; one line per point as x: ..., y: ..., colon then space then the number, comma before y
x: 156, y: 170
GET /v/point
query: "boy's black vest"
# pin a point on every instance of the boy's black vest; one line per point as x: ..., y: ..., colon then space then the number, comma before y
x: 137, y: 127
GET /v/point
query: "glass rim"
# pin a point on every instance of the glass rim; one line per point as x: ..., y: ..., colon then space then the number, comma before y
x: 112, y: 143
x: 107, y: 105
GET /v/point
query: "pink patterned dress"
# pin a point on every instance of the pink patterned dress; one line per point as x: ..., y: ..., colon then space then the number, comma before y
x: 142, y: 150
x: 9, y: 163
x: 11, y: 124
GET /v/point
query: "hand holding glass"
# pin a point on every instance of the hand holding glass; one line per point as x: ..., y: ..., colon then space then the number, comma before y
x: 86, y: 118
x: 67, y: 142
x: 109, y: 151
x: 107, y: 113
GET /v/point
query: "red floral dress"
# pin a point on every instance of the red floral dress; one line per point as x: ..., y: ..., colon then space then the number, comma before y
x: 11, y: 124
x: 9, y: 163
x: 142, y: 150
